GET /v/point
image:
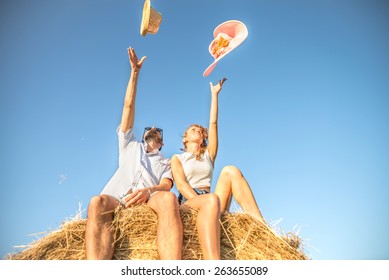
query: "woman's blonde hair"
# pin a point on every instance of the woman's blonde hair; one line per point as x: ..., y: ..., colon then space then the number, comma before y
x: 203, y: 145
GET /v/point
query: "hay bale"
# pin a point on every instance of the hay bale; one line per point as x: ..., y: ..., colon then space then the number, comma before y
x: 242, y: 238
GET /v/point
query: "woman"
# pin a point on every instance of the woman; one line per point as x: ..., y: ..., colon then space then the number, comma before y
x: 193, y: 170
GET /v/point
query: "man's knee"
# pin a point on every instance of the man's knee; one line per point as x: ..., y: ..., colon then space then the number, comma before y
x: 165, y: 201
x: 98, y: 204
x: 94, y: 205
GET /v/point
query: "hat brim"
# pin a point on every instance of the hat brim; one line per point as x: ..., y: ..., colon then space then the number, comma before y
x: 145, y: 18
x: 235, y: 29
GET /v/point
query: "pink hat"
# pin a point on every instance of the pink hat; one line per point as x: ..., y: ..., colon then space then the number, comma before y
x: 227, y: 36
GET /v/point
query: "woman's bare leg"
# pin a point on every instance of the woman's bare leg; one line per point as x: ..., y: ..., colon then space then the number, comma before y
x: 232, y: 183
x: 208, y: 224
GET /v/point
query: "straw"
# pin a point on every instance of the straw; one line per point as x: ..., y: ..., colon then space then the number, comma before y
x: 243, y: 237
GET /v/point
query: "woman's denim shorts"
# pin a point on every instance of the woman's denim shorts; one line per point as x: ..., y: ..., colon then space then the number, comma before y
x: 182, y: 199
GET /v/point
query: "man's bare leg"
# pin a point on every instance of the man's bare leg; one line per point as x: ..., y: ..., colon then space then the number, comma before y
x: 98, y: 235
x: 169, y: 231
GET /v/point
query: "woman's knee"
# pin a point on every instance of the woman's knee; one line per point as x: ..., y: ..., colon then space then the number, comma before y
x: 231, y: 171
x: 211, y: 201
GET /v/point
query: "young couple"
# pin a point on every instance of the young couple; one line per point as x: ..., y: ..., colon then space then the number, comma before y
x: 145, y: 176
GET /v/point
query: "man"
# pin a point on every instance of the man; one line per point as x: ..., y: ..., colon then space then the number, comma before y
x: 143, y: 176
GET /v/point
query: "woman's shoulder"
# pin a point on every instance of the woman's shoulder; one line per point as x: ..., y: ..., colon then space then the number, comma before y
x: 183, y: 156
x: 180, y: 155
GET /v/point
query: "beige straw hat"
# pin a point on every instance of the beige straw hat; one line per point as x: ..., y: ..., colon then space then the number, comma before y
x: 151, y: 20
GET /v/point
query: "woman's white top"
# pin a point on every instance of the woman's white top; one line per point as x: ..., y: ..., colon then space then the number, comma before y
x: 198, y: 171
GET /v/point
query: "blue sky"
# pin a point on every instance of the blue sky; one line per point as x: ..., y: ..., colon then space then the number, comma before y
x: 304, y: 112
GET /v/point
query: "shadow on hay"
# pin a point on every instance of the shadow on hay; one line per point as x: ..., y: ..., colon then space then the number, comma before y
x: 242, y: 238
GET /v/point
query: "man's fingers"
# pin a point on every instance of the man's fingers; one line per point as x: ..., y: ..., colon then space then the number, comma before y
x: 133, y: 198
x: 131, y: 51
x: 132, y: 54
x: 141, y: 60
